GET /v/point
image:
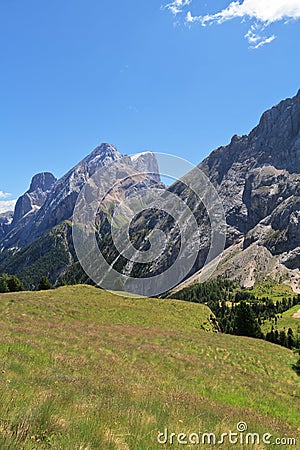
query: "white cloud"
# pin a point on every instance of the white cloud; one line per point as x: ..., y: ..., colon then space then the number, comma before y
x: 262, y: 12
x: 177, y: 6
x: 256, y: 39
x: 267, y: 11
x: 7, y: 205
x: 4, y: 194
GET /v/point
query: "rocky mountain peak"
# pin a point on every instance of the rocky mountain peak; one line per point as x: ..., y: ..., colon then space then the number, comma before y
x: 103, y: 150
x: 284, y: 112
x: 276, y: 140
x: 43, y: 181
x: 100, y: 156
x: 258, y: 178
x: 35, y: 197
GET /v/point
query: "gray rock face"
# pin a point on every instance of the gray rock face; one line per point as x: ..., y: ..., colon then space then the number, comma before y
x: 42, y: 182
x: 258, y: 178
x: 35, y: 197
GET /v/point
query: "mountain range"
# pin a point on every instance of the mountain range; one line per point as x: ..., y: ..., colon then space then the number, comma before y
x: 257, y: 177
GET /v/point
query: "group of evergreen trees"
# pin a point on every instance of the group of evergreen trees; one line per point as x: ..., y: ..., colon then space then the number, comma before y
x: 240, y: 312
x: 282, y: 338
x: 11, y: 283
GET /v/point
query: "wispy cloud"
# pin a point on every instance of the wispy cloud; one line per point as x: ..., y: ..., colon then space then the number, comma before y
x: 255, y: 37
x: 262, y: 12
x: 177, y: 6
x: 4, y: 194
x: 7, y: 205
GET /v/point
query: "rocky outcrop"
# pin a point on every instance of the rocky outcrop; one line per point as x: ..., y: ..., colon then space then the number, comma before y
x: 35, y: 197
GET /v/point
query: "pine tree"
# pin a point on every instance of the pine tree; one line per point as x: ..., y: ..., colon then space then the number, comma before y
x: 245, y: 323
x: 282, y: 338
x: 44, y: 284
x: 290, y: 338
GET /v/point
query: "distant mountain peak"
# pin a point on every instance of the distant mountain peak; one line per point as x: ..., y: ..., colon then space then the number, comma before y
x: 35, y: 197
x: 100, y: 156
x: 104, y: 147
x: 103, y: 150
x: 43, y: 181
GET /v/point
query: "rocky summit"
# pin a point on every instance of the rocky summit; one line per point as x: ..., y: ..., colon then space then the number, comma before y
x: 257, y: 177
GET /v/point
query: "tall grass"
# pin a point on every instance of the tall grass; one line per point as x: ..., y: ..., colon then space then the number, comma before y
x: 84, y: 369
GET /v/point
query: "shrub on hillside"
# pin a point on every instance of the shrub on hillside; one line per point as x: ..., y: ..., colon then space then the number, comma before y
x: 44, y: 284
x: 10, y: 283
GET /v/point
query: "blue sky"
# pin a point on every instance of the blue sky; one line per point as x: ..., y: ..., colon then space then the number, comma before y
x: 170, y: 76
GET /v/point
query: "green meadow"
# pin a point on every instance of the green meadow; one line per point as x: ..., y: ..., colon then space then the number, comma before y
x: 274, y: 291
x: 284, y: 321
x: 84, y: 369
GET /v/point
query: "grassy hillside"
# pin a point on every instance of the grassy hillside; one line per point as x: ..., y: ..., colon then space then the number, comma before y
x: 277, y: 293
x: 85, y: 369
x: 285, y: 321
x: 272, y: 290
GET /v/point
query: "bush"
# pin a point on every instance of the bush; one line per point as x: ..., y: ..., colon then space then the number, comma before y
x: 44, y: 284
x: 10, y: 283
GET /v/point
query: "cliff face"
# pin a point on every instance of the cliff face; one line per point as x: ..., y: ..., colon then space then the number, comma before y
x: 258, y: 179
x: 35, y: 197
x: 5, y: 222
